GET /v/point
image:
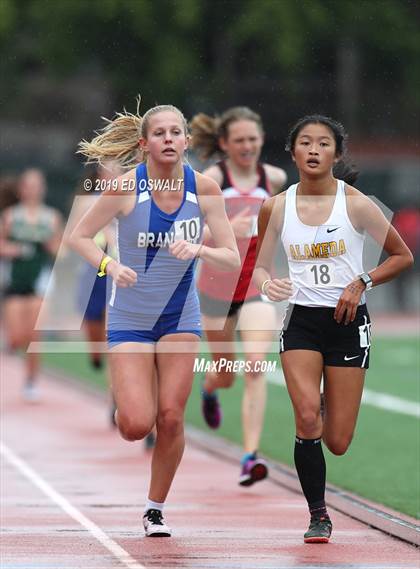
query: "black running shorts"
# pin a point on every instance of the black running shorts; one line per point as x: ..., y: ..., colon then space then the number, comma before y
x: 307, y: 328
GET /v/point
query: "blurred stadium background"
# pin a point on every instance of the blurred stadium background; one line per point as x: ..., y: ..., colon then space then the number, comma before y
x: 65, y: 64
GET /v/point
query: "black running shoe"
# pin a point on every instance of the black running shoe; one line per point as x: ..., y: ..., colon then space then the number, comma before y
x: 319, y: 530
x: 211, y: 409
x: 154, y: 524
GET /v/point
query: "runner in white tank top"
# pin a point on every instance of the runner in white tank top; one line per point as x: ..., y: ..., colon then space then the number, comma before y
x: 322, y: 222
x: 322, y: 259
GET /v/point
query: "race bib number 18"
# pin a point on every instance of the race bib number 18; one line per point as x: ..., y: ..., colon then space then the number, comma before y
x: 319, y: 275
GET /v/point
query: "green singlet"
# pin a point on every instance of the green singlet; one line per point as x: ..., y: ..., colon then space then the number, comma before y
x: 29, y: 272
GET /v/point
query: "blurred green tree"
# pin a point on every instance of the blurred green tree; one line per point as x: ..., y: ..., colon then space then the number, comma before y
x: 190, y: 51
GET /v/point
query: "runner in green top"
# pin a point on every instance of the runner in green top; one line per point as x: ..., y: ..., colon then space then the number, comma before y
x: 30, y: 234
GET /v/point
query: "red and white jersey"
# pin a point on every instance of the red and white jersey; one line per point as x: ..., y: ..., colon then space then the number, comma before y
x: 237, y: 285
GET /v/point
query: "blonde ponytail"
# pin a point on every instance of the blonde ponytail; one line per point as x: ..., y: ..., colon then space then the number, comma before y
x: 205, y: 135
x: 118, y: 140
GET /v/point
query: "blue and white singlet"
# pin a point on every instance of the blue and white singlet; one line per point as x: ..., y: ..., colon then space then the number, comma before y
x: 164, y: 299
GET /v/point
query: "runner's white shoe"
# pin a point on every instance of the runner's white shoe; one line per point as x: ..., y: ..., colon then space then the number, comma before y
x: 154, y: 524
x: 30, y: 393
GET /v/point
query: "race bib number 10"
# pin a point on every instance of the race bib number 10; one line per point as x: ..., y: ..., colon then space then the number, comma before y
x: 188, y: 229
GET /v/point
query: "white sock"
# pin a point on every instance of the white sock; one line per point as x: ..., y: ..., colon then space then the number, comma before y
x: 150, y: 505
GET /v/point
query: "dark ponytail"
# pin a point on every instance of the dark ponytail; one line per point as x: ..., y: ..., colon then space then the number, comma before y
x: 345, y: 170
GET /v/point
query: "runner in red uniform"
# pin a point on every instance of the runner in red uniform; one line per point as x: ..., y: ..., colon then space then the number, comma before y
x: 230, y: 300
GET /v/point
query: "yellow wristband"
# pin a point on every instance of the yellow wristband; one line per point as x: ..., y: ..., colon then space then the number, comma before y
x: 263, y: 285
x: 103, y: 265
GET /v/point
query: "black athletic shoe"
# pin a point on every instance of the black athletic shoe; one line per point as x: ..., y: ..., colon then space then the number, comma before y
x: 154, y: 524
x: 210, y: 407
x: 319, y: 530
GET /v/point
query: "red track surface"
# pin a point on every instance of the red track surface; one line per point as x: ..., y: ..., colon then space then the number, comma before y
x: 67, y: 449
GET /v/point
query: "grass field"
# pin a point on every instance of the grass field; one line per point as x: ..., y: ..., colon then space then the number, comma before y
x: 383, y: 463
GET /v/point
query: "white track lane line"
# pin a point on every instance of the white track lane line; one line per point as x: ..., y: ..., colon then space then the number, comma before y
x: 372, y: 398
x: 123, y: 556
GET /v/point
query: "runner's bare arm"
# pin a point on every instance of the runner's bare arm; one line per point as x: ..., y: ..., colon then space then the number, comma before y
x: 225, y: 255
x: 365, y: 215
x: 215, y: 174
x: 270, y: 222
x: 8, y: 249
x: 108, y: 206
